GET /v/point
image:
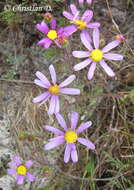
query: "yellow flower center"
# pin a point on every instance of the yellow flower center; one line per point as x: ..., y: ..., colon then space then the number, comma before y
x: 54, y: 89
x: 71, y: 136
x: 80, y: 24
x: 52, y: 34
x: 21, y: 170
x: 96, y: 55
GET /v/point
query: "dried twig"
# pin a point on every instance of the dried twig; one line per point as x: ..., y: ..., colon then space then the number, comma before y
x: 17, y: 81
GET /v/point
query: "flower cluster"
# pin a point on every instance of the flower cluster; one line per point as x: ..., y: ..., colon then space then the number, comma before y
x: 94, y: 54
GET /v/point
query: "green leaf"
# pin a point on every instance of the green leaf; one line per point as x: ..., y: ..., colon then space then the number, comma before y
x: 90, y: 168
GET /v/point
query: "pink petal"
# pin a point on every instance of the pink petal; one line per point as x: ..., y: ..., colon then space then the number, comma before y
x: 42, y: 27
x: 80, y: 54
x: 70, y: 91
x: 53, y: 24
x: 74, y: 154
x: 74, y: 120
x: 107, y: 68
x: 83, y: 127
x: 52, y: 105
x: 85, y: 41
x: 29, y: 163
x: 96, y: 38
x: 81, y: 1
x: 88, y: 37
x: 110, y: 46
x: 61, y: 121
x: 82, y: 65
x: 52, y: 73
x: 40, y: 83
x: 41, y: 97
x: 57, y: 43
x: 47, y: 43
x: 73, y: 9
x: 47, y: 97
x: 113, y: 56
x: 91, y: 71
x: 53, y: 130
x: 69, y: 30
x: 67, y: 153
x: 12, y: 164
x: 93, y: 25
x: 11, y: 171
x: 67, y: 81
x: 17, y: 160
x: 54, y: 138
x: 60, y: 31
x: 52, y: 144
x: 20, y: 179
x: 89, y: 1
x: 43, y: 41
x: 67, y: 15
x: 87, y: 143
x: 87, y: 16
x: 57, y: 105
x: 43, y: 78
x: 30, y: 177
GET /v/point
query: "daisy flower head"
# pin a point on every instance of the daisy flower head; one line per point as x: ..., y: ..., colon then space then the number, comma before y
x: 95, y: 54
x: 69, y: 137
x: 54, y: 90
x: 20, y: 169
x: 82, y: 1
x: 79, y: 23
x: 52, y: 34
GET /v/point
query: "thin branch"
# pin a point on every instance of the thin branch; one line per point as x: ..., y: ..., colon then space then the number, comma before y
x: 17, y: 81
x: 92, y: 179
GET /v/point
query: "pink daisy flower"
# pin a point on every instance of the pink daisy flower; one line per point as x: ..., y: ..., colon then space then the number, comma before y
x: 52, y: 34
x: 79, y: 23
x: 54, y: 90
x: 69, y: 137
x: 20, y: 170
x: 82, y: 1
x: 95, y: 55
